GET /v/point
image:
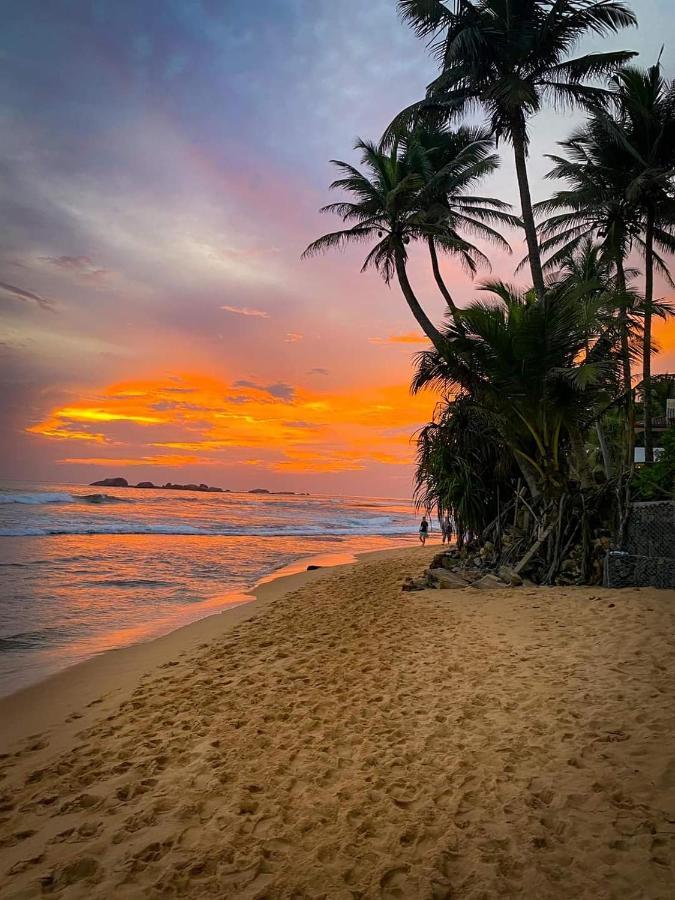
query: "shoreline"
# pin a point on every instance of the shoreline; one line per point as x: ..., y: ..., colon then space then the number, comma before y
x: 44, y: 704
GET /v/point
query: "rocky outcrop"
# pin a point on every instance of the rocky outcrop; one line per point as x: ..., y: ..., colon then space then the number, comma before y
x: 278, y: 493
x: 110, y: 482
x: 452, y: 570
x: 191, y: 487
x: 149, y: 485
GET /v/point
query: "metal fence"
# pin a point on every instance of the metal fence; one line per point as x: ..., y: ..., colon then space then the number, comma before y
x: 648, y: 558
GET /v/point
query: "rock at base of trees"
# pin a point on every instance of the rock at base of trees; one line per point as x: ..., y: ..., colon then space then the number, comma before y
x: 455, y: 570
x: 445, y: 579
x: 489, y: 583
x: 414, y: 584
x: 508, y: 576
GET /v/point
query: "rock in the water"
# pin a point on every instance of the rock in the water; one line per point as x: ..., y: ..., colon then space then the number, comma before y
x: 488, y: 583
x: 145, y: 484
x: 313, y: 568
x: 444, y: 580
x: 110, y: 482
x: 508, y: 576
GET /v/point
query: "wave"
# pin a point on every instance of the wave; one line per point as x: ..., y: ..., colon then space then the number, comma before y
x: 363, y: 529
x: 99, y: 499
x: 35, y: 497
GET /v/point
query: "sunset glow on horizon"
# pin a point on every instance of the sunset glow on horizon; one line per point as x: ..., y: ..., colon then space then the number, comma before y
x: 157, y: 195
x: 191, y: 421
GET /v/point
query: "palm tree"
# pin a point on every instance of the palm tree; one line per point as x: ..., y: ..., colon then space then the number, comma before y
x: 598, y: 166
x: 585, y: 271
x: 538, y: 378
x: 450, y: 163
x: 646, y: 131
x: 594, y: 205
x: 508, y: 57
x: 463, y: 466
x: 416, y: 191
x: 539, y: 374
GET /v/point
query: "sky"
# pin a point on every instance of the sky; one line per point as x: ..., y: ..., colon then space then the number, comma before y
x: 161, y: 170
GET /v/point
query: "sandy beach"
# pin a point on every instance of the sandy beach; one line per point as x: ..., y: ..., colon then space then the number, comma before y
x: 338, y: 738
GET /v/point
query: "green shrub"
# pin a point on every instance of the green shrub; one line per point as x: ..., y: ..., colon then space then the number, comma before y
x: 657, y: 482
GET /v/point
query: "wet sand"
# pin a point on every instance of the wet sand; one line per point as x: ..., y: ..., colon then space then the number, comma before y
x: 338, y: 738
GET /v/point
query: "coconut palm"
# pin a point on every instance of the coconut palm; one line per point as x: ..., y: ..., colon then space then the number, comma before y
x: 450, y: 163
x: 646, y: 131
x: 509, y: 57
x: 539, y: 374
x: 585, y: 271
x: 594, y: 205
x: 412, y: 192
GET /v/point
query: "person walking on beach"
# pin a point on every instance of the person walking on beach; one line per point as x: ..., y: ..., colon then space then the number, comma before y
x: 424, y: 530
x: 446, y: 528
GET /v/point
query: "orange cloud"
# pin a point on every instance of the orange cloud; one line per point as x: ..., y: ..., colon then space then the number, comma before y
x: 196, y: 419
x: 168, y: 460
x: 410, y: 337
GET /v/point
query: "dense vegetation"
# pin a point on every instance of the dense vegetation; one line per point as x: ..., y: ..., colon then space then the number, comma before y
x: 532, y: 443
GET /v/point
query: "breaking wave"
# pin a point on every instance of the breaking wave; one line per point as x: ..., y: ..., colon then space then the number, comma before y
x: 38, y: 498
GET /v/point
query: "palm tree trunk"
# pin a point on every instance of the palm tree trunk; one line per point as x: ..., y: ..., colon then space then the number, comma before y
x: 580, y: 458
x: 647, y: 340
x: 423, y: 320
x: 604, y: 450
x: 625, y: 364
x: 518, y: 140
x: 441, y: 285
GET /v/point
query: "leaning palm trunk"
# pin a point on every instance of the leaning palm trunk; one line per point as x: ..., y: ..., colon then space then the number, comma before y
x: 423, y: 320
x: 647, y: 340
x: 534, y: 255
x: 442, y: 286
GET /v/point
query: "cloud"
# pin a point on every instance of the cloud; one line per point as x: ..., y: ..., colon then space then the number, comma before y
x: 326, y: 432
x: 235, y: 252
x: 301, y: 424
x: 411, y: 337
x: 169, y: 460
x: 292, y: 337
x: 82, y: 266
x: 21, y: 294
x: 318, y: 370
x: 280, y: 390
x: 246, y: 311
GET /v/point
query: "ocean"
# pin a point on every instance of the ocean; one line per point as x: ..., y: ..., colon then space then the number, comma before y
x: 89, y: 569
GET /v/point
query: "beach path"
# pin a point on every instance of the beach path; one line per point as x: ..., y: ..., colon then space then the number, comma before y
x: 353, y: 741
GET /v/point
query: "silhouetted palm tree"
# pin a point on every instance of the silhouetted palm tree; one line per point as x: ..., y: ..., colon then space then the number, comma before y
x: 509, y: 57
x: 646, y: 131
x: 451, y: 163
x: 417, y: 190
x: 595, y: 205
x: 540, y: 374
